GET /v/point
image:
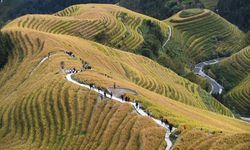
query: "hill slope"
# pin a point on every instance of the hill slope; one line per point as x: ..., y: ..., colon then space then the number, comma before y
x: 205, y: 35
x: 139, y: 70
x: 112, y: 26
x: 40, y: 109
x: 234, y: 73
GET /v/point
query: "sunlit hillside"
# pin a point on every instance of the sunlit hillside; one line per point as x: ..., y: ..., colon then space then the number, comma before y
x: 40, y: 109
x: 113, y: 26
x: 205, y: 35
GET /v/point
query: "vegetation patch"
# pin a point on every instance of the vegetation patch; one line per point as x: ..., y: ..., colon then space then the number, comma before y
x: 153, y: 39
x: 5, y: 48
x: 190, y: 12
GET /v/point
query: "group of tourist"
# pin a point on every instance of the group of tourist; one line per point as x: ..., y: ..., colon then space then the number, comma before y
x: 105, y: 92
x: 73, y: 70
x: 85, y: 65
x: 165, y: 121
x: 70, y: 54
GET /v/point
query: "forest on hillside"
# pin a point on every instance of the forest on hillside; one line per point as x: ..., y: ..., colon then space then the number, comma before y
x: 236, y: 11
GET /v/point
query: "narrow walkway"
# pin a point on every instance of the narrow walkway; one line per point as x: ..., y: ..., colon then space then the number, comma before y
x: 198, y: 70
x: 137, y: 109
x: 245, y: 119
x: 115, y: 97
x: 169, y: 36
x: 118, y: 92
x: 41, y: 62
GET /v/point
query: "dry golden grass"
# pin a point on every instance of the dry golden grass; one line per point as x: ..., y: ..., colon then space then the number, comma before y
x: 106, y: 61
x: 200, y: 139
x: 40, y: 109
x: 111, y: 25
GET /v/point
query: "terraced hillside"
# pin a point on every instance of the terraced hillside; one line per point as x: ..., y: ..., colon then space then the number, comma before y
x: 234, y: 68
x: 39, y: 108
x: 116, y: 26
x: 205, y: 35
x: 177, y: 89
x: 198, y: 139
x: 239, y: 97
x: 234, y: 73
x: 53, y: 114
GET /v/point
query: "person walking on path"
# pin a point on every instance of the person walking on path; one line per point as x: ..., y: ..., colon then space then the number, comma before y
x: 101, y: 97
x: 111, y: 94
x: 170, y: 127
x: 90, y: 86
x: 48, y: 55
x: 105, y: 95
x: 166, y: 121
x: 136, y: 104
x: 162, y: 120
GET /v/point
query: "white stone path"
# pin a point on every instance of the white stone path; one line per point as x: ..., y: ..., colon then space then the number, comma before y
x: 169, y: 36
x: 138, y: 110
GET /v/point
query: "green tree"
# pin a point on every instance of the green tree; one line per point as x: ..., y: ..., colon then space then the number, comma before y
x: 5, y: 48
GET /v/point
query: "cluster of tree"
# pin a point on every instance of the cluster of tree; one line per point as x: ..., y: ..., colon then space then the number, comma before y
x: 160, y: 9
x: 22, y: 7
x: 5, y: 48
x: 236, y: 11
x: 153, y: 39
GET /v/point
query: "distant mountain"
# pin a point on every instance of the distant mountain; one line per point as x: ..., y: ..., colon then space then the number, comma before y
x: 11, y: 9
x: 160, y: 9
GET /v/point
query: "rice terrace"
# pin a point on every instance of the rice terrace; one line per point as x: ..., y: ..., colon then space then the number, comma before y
x: 124, y: 74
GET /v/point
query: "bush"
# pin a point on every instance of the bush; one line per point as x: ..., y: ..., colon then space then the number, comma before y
x: 147, y: 53
x: 153, y: 39
x: 166, y: 61
x: 101, y: 37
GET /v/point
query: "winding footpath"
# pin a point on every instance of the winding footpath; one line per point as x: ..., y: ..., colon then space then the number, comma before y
x: 198, y: 70
x: 169, y: 36
x: 245, y: 119
x: 137, y: 109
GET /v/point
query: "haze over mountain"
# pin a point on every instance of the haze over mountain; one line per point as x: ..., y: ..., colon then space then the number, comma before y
x: 101, y: 76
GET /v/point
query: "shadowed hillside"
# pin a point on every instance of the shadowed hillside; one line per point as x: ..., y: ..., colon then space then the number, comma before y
x: 233, y: 72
